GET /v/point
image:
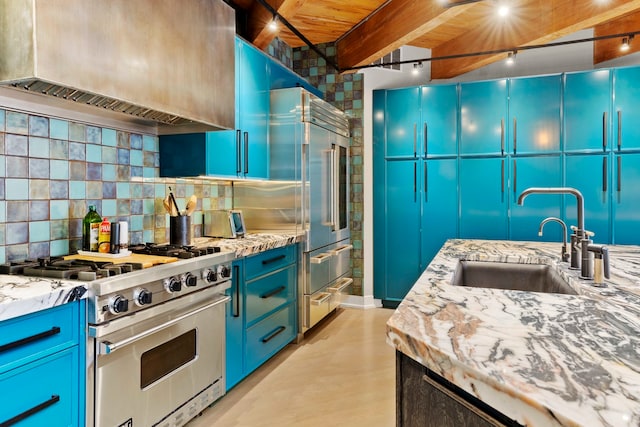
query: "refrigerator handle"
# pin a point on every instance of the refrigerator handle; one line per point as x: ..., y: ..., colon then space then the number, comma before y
x: 332, y: 187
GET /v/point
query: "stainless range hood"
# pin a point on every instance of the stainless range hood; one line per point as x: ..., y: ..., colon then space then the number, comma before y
x: 163, y: 62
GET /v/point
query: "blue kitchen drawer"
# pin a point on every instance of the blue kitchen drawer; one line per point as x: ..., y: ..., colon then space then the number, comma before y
x: 268, y: 293
x: 32, y: 336
x: 266, y: 262
x: 48, y: 387
x: 267, y: 337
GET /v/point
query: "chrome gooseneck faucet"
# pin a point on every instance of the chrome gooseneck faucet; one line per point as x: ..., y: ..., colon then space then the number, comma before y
x: 580, y: 237
x: 565, y: 255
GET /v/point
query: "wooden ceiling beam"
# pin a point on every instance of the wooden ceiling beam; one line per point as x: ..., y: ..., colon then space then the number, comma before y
x: 394, y: 25
x: 605, y: 50
x: 538, y: 22
x: 259, y: 17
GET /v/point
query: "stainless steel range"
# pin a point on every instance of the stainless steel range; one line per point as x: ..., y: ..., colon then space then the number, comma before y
x: 156, y: 346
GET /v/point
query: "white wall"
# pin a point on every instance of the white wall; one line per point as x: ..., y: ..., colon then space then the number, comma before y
x: 573, y: 57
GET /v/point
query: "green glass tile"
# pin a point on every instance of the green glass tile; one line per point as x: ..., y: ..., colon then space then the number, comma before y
x: 38, y: 147
x: 58, y: 149
x: 149, y: 143
x: 77, y: 132
x: 135, y: 222
x: 108, y: 172
x: 109, y: 137
x: 94, y: 189
x: 137, y: 158
x: 77, y: 189
x: 17, y: 189
x: 122, y: 139
x: 3, y: 211
x: 109, y: 208
x: 135, y: 141
x: 2, y: 115
x: 59, y: 247
x: 3, y: 255
x: 149, y: 172
x: 123, y: 191
x: 59, y: 169
x: 17, y: 123
x: 59, y: 129
x: 123, y: 172
x: 148, y: 206
x: 123, y: 207
x: 39, y: 231
x: 94, y: 153
x: 147, y: 236
x: 109, y: 155
x: 59, y: 209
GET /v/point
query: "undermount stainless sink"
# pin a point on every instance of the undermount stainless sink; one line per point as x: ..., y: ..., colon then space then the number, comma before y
x: 518, y: 277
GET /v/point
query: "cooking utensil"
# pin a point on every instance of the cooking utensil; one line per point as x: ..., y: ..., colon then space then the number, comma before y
x: 173, y: 199
x: 168, y: 206
x: 191, y: 205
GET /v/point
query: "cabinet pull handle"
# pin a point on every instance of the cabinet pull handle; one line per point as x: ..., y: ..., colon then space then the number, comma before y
x: 273, y: 292
x: 415, y: 140
x: 271, y: 335
x: 515, y: 176
x: 238, y: 151
x: 426, y: 183
x: 515, y: 135
x: 236, y: 291
x: 502, y: 136
x: 274, y: 259
x: 604, y: 131
x: 426, y: 139
x: 619, y: 130
x: 246, y: 152
x: 26, y: 414
x: 415, y: 182
x: 27, y: 340
x: 619, y: 178
x: 604, y: 174
x: 502, y: 176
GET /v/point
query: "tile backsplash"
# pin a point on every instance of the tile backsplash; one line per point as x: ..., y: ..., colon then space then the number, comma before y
x: 52, y: 169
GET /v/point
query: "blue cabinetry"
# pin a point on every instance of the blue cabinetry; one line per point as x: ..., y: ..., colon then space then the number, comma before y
x: 626, y: 135
x: 535, y: 171
x: 590, y: 174
x: 587, y: 106
x: 439, y: 107
x: 42, y: 367
x: 534, y: 115
x: 483, y: 117
x: 402, y: 121
x: 261, y: 315
x: 626, y: 198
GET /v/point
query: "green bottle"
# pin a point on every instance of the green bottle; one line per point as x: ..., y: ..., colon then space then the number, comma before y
x: 90, y: 229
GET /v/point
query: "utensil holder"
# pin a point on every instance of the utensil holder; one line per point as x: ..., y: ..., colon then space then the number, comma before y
x: 180, y: 230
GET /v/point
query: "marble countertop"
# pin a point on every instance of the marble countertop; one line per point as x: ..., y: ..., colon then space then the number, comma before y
x: 541, y: 359
x: 20, y: 295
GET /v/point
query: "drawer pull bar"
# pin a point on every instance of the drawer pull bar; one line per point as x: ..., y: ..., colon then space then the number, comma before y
x: 342, y: 249
x: 273, y: 292
x: 274, y: 259
x: 319, y: 259
x: 321, y: 298
x: 344, y: 283
x: 26, y: 414
x: 271, y: 335
x: 10, y: 346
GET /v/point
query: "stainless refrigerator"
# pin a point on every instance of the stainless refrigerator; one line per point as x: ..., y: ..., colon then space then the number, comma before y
x: 308, y: 191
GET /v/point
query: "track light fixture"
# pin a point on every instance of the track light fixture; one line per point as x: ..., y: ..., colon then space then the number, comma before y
x: 417, y: 66
x: 511, y: 57
x: 626, y: 43
x: 273, y: 24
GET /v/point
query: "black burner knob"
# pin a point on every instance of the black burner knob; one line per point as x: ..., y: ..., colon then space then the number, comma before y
x: 118, y: 304
x: 211, y: 276
x: 172, y: 285
x: 224, y: 271
x: 189, y: 279
x: 144, y: 297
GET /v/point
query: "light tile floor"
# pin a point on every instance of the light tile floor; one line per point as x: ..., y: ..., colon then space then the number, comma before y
x: 341, y: 374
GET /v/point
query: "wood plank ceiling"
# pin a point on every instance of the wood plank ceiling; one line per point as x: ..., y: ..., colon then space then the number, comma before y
x: 366, y: 30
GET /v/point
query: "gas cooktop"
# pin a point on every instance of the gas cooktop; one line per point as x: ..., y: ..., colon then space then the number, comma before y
x: 59, y: 268
x: 183, y: 252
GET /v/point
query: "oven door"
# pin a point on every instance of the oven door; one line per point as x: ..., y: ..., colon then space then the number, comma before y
x: 175, y: 360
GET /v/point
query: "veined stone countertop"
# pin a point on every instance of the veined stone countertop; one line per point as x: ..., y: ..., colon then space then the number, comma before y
x: 21, y: 295
x: 541, y: 359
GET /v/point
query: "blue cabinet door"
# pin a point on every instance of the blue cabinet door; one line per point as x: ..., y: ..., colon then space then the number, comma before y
x: 440, y: 206
x: 538, y: 171
x: 484, y: 198
x: 253, y: 110
x: 483, y: 116
x: 439, y: 105
x: 626, y: 134
x: 626, y: 199
x: 589, y: 174
x: 402, y: 227
x: 587, y: 103
x: 235, y: 327
x: 534, y: 114
x: 402, y: 122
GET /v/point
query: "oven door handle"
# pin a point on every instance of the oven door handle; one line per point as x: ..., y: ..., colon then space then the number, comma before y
x: 107, y: 347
